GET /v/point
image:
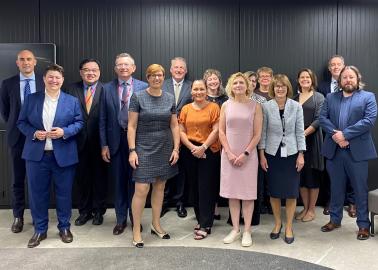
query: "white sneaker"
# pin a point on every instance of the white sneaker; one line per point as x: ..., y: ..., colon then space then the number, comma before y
x: 232, y: 236
x: 247, y: 239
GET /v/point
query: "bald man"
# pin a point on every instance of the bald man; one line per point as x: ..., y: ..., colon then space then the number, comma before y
x: 12, y: 95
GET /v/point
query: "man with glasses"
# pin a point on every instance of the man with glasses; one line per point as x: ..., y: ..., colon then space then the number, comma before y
x: 91, y: 171
x: 12, y: 95
x: 115, y: 100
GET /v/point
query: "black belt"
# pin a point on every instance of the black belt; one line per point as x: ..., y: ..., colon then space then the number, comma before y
x: 49, y: 152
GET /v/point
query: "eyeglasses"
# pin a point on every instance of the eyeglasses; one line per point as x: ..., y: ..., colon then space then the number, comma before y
x: 87, y: 70
x: 126, y: 65
x: 283, y: 87
x: 156, y: 75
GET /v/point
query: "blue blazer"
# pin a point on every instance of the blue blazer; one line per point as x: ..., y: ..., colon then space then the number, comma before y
x: 362, y: 116
x: 68, y: 117
x: 10, y: 104
x: 110, y: 134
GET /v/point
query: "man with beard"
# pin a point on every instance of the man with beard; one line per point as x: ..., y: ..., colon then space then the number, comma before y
x: 347, y: 118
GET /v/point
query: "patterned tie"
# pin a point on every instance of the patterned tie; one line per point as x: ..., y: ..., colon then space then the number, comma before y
x: 335, y: 87
x: 89, y: 98
x: 27, y: 90
x: 177, y: 92
x: 123, y: 114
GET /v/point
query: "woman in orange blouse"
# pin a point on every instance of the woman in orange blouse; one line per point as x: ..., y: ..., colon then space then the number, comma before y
x: 201, y: 155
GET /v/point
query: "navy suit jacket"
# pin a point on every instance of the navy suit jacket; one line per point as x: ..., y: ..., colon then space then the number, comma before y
x: 68, y: 117
x: 324, y: 88
x: 90, y: 132
x: 185, y: 93
x: 10, y: 105
x: 110, y: 134
x: 362, y: 116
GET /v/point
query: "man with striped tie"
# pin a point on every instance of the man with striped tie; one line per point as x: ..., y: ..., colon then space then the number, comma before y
x: 12, y: 95
x: 91, y: 176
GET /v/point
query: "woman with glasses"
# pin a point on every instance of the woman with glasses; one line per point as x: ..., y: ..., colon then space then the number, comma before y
x: 281, y: 152
x: 153, y: 137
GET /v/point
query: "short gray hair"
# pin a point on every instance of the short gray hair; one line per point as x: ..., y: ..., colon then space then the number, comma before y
x: 178, y: 58
x: 121, y: 55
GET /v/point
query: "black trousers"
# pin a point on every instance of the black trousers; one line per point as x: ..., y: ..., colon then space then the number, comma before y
x: 203, y: 184
x: 18, y: 181
x: 91, y: 180
x: 175, y: 192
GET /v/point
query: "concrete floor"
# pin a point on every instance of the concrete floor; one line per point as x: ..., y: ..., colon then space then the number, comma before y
x: 338, y: 249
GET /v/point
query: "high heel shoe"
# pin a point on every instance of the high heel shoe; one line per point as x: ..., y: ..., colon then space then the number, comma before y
x: 274, y: 235
x: 289, y: 240
x: 139, y: 244
x: 159, y: 234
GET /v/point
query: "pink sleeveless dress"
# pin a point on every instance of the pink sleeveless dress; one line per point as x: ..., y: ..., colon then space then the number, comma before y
x: 239, y: 182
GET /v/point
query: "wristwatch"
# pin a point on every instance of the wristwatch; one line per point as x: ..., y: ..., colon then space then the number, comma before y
x: 131, y: 150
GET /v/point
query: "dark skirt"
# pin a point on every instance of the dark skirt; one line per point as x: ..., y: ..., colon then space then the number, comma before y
x: 310, y: 177
x: 283, y: 178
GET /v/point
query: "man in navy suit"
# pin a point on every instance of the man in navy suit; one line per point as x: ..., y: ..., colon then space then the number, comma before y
x: 347, y: 118
x: 114, y: 103
x: 180, y: 88
x: 12, y: 95
x: 50, y: 120
x: 91, y: 171
x: 335, y: 64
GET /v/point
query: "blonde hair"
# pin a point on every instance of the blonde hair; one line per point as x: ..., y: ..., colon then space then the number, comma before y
x: 283, y: 79
x: 231, y: 80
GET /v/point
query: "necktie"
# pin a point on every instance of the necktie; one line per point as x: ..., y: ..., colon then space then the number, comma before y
x: 335, y: 87
x: 27, y: 90
x: 177, y: 92
x: 88, y: 98
x: 123, y: 114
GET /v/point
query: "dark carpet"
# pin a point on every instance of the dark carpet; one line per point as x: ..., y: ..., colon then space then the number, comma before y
x: 147, y: 258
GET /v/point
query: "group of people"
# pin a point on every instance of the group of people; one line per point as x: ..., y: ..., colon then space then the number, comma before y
x: 258, y: 139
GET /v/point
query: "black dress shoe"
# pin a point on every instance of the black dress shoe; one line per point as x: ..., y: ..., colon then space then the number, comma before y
x: 98, y: 219
x: 83, y: 218
x: 164, y: 210
x: 119, y: 228
x: 18, y: 225
x: 326, y: 210
x: 66, y: 236
x: 289, y: 240
x: 181, y: 211
x: 274, y: 235
x: 36, y: 239
x: 217, y: 217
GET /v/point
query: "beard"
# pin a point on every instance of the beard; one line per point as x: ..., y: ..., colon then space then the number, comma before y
x: 349, y: 88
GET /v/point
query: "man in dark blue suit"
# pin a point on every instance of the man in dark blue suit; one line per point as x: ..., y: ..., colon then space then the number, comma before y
x: 12, y: 95
x: 50, y: 120
x: 91, y: 178
x: 180, y: 88
x: 335, y: 64
x: 114, y: 103
x: 347, y: 117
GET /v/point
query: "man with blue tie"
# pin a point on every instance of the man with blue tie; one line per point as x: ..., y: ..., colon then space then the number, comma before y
x: 50, y: 120
x: 335, y: 64
x: 91, y: 177
x: 114, y: 104
x: 347, y: 118
x: 12, y: 95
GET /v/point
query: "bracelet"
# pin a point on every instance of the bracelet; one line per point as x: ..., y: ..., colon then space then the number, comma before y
x: 177, y: 151
x: 204, y: 146
x: 246, y: 153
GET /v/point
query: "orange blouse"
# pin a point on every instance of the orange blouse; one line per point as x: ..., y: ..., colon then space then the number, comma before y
x: 199, y: 123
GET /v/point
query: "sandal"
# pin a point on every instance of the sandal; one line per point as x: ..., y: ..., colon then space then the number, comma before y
x: 202, y: 233
x: 308, y: 217
x: 196, y: 228
x: 301, y: 215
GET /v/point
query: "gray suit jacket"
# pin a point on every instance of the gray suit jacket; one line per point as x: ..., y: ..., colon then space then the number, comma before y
x: 185, y: 93
x: 272, y: 133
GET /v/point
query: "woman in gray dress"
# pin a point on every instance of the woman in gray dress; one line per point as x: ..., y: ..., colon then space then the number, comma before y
x: 153, y: 137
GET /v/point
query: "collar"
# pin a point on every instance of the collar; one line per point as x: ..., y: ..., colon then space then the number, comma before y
x: 333, y: 81
x: 178, y: 83
x: 86, y: 86
x: 129, y: 81
x: 23, y: 77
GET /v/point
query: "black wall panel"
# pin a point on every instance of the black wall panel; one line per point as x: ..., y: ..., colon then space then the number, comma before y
x: 206, y: 33
x: 287, y: 36
x: 357, y: 42
x: 94, y: 29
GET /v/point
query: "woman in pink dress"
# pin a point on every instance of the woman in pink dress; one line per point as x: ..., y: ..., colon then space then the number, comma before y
x: 239, y: 132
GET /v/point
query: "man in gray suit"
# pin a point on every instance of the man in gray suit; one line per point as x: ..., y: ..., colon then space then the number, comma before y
x: 178, y: 86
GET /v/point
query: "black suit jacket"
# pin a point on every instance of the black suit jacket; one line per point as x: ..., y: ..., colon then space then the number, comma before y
x: 90, y: 132
x: 185, y: 93
x: 324, y: 88
x: 10, y: 105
